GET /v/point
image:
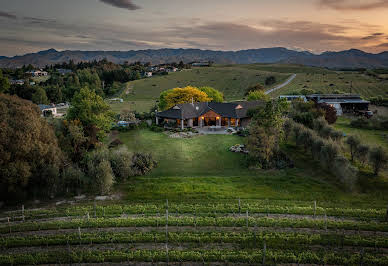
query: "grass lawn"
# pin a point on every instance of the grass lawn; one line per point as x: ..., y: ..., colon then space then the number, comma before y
x: 331, y: 81
x: 202, y: 168
x: 233, y: 80
x: 141, y: 106
x: 368, y: 136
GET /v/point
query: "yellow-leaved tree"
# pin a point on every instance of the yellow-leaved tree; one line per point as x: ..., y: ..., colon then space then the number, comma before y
x: 183, y: 95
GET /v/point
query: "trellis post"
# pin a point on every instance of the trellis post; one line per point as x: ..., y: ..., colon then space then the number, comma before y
x: 23, y: 212
x: 315, y: 208
x: 166, y: 226
x: 247, y: 219
x: 264, y: 251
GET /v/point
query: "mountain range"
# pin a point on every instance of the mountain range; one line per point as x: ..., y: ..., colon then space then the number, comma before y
x: 352, y: 58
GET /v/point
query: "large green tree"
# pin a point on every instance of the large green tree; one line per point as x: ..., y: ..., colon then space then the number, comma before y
x: 39, y: 96
x: 29, y: 154
x: 258, y: 95
x: 4, y: 83
x: 214, y: 95
x: 92, y: 111
x: 266, y: 132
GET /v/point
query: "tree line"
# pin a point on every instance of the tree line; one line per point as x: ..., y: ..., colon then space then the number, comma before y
x: 48, y: 157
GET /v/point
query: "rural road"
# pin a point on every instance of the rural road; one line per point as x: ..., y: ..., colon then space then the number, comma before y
x: 281, y: 85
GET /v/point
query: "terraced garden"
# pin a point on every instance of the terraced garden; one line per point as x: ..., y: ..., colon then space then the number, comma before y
x: 224, y: 231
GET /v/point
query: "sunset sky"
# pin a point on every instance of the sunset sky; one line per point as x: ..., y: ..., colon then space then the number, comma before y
x: 313, y: 25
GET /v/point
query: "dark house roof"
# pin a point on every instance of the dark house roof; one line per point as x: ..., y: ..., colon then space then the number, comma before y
x: 336, y: 98
x: 193, y: 110
x: 45, y: 107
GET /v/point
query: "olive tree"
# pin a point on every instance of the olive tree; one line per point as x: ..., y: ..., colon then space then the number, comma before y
x: 353, y: 142
x: 378, y: 158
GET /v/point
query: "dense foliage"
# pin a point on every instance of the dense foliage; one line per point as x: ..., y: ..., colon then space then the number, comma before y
x: 213, y: 94
x: 266, y: 133
x: 258, y: 95
x: 176, y: 96
x: 91, y: 110
x: 30, y: 158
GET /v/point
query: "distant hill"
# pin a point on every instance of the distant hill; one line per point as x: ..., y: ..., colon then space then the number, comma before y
x: 345, y: 59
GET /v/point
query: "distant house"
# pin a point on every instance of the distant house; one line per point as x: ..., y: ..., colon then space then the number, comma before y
x: 47, y: 110
x: 343, y: 103
x: 204, y: 114
x: 201, y: 64
x: 63, y: 71
x: 147, y: 74
x: 37, y: 73
x: 171, y: 69
x: 116, y: 100
x: 17, y: 81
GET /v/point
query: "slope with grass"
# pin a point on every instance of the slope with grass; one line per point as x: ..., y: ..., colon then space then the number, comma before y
x: 203, y: 168
x: 202, y: 205
x: 233, y: 80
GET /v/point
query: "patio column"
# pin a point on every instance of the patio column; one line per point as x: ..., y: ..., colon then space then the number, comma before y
x: 182, y: 124
x: 190, y: 122
x: 219, y: 121
x: 237, y: 122
x: 200, y: 122
x: 157, y: 120
x: 229, y: 122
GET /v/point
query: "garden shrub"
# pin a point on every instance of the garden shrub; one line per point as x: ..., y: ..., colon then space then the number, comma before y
x: 361, y: 122
x: 329, y: 152
x: 121, y: 163
x: 378, y: 158
x: 345, y: 172
x: 142, y: 163
x: 73, y: 178
x: 103, y: 176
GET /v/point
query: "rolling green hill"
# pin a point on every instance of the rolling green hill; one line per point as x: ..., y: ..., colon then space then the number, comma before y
x: 233, y: 80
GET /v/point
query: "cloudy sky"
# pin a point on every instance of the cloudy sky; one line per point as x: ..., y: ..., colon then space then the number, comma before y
x: 314, y: 25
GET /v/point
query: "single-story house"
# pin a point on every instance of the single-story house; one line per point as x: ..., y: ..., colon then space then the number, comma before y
x: 47, y: 109
x: 37, y: 73
x: 147, y: 74
x: 200, y: 64
x: 343, y: 103
x: 203, y: 114
x: 17, y: 82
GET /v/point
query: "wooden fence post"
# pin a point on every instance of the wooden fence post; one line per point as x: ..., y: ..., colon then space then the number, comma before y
x: 9, y: 224
x: 386, y: 215
x: 247, y: 219
x: 254, y: 237
x: 69, y: 252
x: 166, y: 226
x: 95, y: 209
x: 239, y: 206
x: 264, y: 251
x: 87, y: 216
x: 325, y: 221
x: 315, y: 208
x: 23, y: 212
x: 167, y: 253
x: 362, y: 257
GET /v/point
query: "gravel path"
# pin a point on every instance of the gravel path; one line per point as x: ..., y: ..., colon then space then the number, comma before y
x: 281, y: 85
